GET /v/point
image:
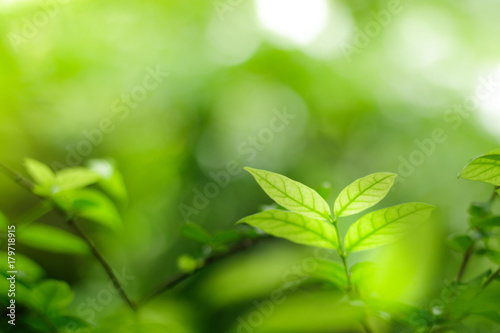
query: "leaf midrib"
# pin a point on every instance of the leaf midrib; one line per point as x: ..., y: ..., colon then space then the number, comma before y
x: 381, y: 227
x: 292, y: 198
x: 323, y: 237
x: 358, y: 195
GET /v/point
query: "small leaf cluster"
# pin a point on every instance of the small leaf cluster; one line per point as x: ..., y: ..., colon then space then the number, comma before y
x: 69, y: 191
x: 308, y: 219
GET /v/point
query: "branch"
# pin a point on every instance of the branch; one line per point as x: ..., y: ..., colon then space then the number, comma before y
x: 470, y: 250
x: 180, y: 277
x: 28, y: 184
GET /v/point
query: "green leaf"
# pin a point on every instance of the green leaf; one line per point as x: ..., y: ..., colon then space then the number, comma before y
x: 491, y: 315
x: 493, y: 255
x: 479, y: 209
x: 90, y: 204
x: 487, y: 223
x: 111, y: 179
x: 42, y: 175
x: 75, y: 178
x: 52, y: 297
x: 295, y: 227
x: 291, y: 194
x: 28, y: 271
x: 363, y: 193
x: 331, y: 272
x: 385, y: 226
x: 48, y: 238
x: 226, y: 237
x: 485, y: 168
x: 196, y: 233
x: 67, y: 324
x: 460, y: 243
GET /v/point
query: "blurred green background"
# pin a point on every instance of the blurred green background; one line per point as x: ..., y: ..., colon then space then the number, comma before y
x: 177, y: 93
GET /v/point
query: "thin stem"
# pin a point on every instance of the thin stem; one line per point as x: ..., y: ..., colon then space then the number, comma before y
x: 17, y: 177
x: 465, y: 261
x: 173, y: 281
x: 470, y: 251
x: 103, y: 263
x: 342, y: 255
x: 26, y: 183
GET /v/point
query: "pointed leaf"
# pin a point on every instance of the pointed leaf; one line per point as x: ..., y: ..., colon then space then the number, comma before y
x: 75, y: 178
x: 490, y: 222
x: 363, y: 193
x: 90, y: 204
x: 42, y: 175
x: 111, y: 179
x: 52, y: 297
x: 460, y: 243
x: 485, y: 168
x: 48, y: 238
x: 385, y: 226
x: 196, y: 233
x: 291, y: 194
x: 295, y: 227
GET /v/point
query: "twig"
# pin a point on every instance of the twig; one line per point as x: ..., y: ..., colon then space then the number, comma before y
x: 465, y: 261
x: 180, y: 277
x: 26, y: 183
x: 103, y: 263
x: 17, y: 177
x: 470, y: 251
x: 491, y: 278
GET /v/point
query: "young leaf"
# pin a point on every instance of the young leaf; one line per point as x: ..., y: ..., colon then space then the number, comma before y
x: 196, y: 233
x: 460, y: 243
x: 75, y: 178
x: 28, y: 271
x: 331, y: 272
x: 90, y: 204
x: 111, y: 179
x: 42, y: 175
x: 291, y: 194
x: 295, y: 227
x: 485, y: 168
x: 490, y: 222
x: 363, y: 193
x: 385, y: 226
x: 52, y: 297
x: 48, y: 238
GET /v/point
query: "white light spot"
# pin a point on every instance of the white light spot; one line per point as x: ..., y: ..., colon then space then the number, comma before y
x: 488, y: 94
x: 300, y: 21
